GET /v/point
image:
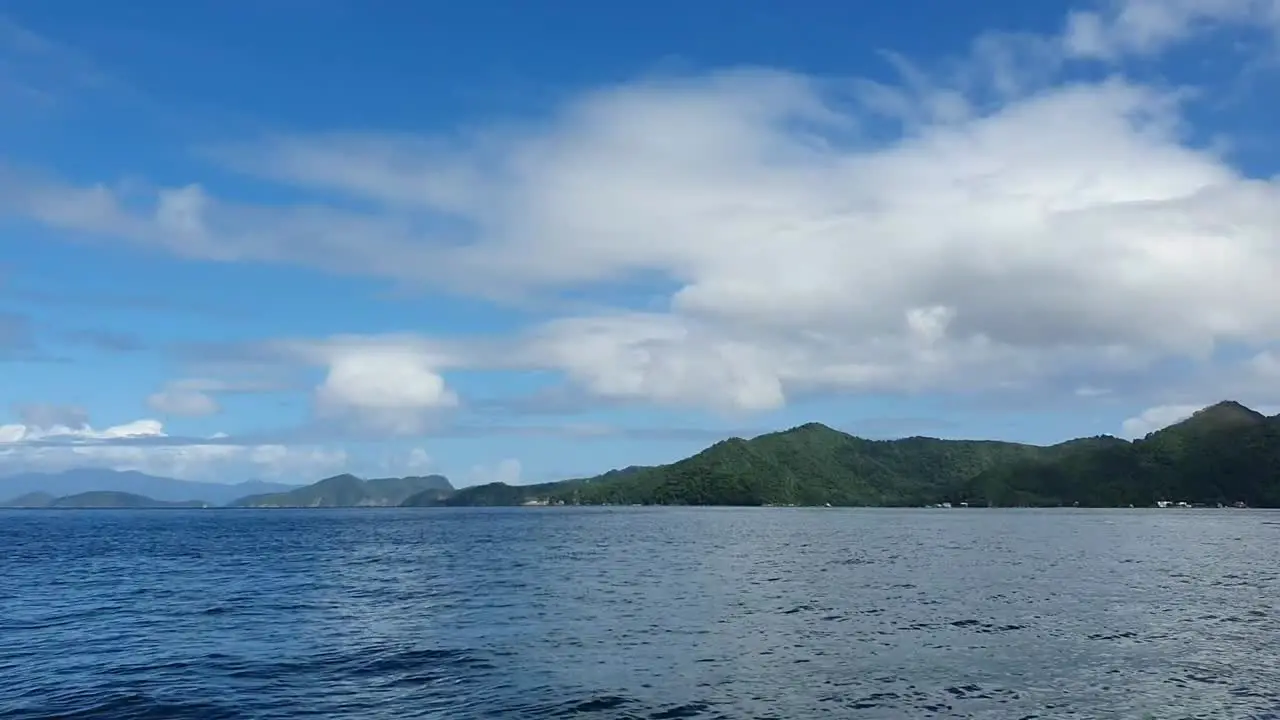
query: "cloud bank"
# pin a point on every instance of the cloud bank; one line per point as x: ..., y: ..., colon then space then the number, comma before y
x: 1009, y: 223
x: 52, y: 438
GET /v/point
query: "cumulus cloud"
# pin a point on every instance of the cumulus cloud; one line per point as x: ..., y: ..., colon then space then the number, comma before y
x: 388, y: 383
x: 52, y: 439
x: 658, y: 358
x: 384, y: 388
x: 1037, y: 236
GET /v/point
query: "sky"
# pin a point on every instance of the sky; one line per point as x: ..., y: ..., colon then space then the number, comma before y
x: 529, y: 241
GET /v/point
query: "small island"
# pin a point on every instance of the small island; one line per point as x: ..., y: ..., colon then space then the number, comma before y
x: 98, y: 499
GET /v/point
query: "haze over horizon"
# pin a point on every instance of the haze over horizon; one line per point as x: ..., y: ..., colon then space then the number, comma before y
x: 292, y: 240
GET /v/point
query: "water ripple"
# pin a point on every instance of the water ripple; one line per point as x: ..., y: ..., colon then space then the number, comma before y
x: 646, y: 614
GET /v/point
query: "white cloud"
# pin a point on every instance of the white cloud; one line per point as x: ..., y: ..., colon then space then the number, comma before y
x: 390, y: 384
x: 1146, y: 27
x: 382, y: 386
x: 1155, y: 418
x: 1047, y: 237
x: 81, y: 431
x: 50, y: 448
x: 1162, y: 416
x: 508, y: 471
x: 660, y: 359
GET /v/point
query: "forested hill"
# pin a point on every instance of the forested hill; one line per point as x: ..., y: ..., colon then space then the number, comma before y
x: 350, y: 491
x: 1225, y: 453
x: 808, y: 465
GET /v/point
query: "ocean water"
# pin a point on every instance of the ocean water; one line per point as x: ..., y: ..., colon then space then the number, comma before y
x: 639, y: 613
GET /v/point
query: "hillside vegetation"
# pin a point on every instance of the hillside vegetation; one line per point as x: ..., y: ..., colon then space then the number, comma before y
x: 351, y: 491
x: 1225, y: 453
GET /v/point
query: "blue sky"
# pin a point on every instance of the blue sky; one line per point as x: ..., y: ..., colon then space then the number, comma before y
x: 524, y: 241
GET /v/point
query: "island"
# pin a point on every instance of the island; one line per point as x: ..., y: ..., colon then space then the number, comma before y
x: 350, y: 491
x: 1225, y: 454
x: 98, y: 499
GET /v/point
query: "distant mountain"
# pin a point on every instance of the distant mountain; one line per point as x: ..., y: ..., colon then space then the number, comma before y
x: 29, y: 500
x: 350, y: 491
x: 256, y: 487
x: 1226, y: 453
x: 499, y: 494
x: 108, y: 499
x: 489, y: 494
x: 73, y: 482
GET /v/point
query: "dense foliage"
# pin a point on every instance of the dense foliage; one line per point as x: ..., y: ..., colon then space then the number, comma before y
x: 351, y: 491
x: 808, y: 465
x: 1224, y: 454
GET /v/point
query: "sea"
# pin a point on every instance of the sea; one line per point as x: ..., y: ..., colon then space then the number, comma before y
x: 650, y: 613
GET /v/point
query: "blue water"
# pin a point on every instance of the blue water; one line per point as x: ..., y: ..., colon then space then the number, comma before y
x: 639, y: 613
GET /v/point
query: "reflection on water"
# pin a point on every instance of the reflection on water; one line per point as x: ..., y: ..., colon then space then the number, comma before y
x: 639, y: 613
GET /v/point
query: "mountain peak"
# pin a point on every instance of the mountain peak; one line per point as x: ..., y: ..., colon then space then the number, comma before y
x: 340, y: 479
x: 1225, y: 414
x: 810, y: 428
x: 1230, y: 409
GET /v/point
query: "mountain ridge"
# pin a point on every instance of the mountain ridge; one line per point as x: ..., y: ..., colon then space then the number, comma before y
x: 1223, y: 453
x: 97, y: 499
x: 813, y: 464
x: 80, y: 480
x: 347, y: 490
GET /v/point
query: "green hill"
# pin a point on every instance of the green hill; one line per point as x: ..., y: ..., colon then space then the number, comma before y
x: 808, y: 465
x: 1225, y: 453
x: 813, y: 465
x: 487, y: 495
x: 108, y: 499
x: 351, y: 491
